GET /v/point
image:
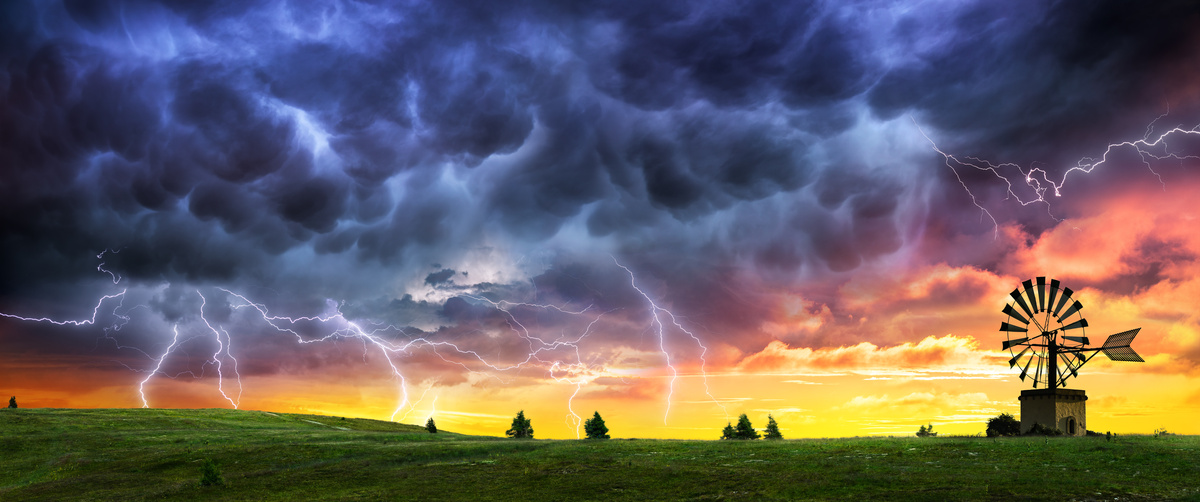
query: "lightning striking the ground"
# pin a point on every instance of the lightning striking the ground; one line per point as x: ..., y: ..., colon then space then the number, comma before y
x: 1149, y: 148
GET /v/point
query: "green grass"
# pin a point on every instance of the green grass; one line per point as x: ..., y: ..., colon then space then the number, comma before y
x: 121, y: 454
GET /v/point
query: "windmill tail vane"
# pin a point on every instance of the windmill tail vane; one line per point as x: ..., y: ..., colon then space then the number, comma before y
x: 1046, y: 334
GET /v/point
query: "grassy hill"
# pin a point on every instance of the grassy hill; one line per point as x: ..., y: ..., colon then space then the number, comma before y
x: 134, y: 454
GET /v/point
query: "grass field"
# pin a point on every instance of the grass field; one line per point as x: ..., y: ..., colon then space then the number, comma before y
x: 133, y: 454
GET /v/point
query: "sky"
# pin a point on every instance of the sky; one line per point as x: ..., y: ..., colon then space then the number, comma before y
x: 671, y: 213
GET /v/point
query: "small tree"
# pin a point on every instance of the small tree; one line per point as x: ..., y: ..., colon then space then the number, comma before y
x: 210, y: 475
x: 430, y: 426
x: 594, y: 427
x: 12, y: 402
x: 744, y: 430
x: 727, y: 432
x: 926, y: 431
x: 521, y: 427
x: 1003, y: 424
x: 772, y: 428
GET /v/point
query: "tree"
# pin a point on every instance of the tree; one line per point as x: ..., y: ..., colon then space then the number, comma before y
x: 1003, y: 424
x: 772, y: 428
x: 12, y: 402
x: 926, y: 431
x: 744, y: 430
x: 521, y: 427
x: 595, y: 428
x: 430, y: 426
x: 727, y: 432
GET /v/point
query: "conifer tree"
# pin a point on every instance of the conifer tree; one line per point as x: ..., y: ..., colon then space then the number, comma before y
x: 772, y: 428
x: 594, y: 427
x: 744, y: 430
x: 727, y: 432
x: 521, y: 427
x: 430, y: 426
x: 12, y: 402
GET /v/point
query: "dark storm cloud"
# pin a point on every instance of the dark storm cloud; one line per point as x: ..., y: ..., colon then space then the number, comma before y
x: 334, y: 149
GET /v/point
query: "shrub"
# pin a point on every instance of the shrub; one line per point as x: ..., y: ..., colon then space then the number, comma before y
x: 210, y: 475
x: 594, y: 427
x: 522, y: 428
x: 1042, y: 430
x: 12, y: 402
x: 727, y: 432
x: 744, y: 430
x: 772, y: 428
x: 926, y: 431
x: 430, y: 426
x: 1003, y: 424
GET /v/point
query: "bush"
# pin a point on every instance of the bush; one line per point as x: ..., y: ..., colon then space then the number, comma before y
x: 773, y: 428
x: 925, y: 431
x: 594, y: 427
x: 1003, y: 425
x: 522, y: 428
x: 727, y: 432
x: 1042, y: 430
x: 744, y: 430
x: 430, y: 426
x: 209, y: 475
x: 12, y: 402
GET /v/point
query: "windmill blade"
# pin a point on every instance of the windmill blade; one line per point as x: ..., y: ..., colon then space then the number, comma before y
x: 1014, y: 314
x: 1010, y: 343
x: 1073, y: 309
x: 1029, y: 293
x: 1013, y: 362
x: 1053, y: 293
x: 1117, y: 347
x: 1041, y: 284
x: 1072, y: 359
x: 1063, y: 300
x: 1025, y: 370
x: 1082, y: 323
x: 1008, y: 327
x: 1077, y: 339
x: 1038, y: 375
x: 1016, y: 295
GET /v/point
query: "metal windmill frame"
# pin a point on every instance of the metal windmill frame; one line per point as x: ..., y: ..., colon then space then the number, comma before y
x: 1052, y: 311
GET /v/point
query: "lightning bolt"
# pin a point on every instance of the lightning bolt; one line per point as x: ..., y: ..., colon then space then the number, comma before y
x: 660, y: 327
x: 1149, y: 148
x: 569, y: 367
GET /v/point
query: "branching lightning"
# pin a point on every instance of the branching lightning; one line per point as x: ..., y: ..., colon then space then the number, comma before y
x: 661, y: 328
x: 1149, y: 148
x: 560, y: 356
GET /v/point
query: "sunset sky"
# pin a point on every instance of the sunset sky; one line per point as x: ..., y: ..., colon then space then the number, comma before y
x: 671, y: 213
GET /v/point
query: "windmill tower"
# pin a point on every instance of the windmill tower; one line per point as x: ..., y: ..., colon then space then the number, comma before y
x: 1047, y: 334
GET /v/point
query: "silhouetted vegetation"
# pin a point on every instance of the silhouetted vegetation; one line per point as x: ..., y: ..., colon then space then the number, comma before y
x: 744, y: 430
x: 1003, y: 424
x: 727, y: 432
x: 926, y: 431
x: 1042, y: 430
x: 522, y: 428
x: 594, y: 427
x: 772, y: 428
x: 430, y: 426
x: 12, y: 402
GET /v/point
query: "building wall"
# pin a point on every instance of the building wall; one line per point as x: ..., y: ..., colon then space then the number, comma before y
x: 1054, y: 408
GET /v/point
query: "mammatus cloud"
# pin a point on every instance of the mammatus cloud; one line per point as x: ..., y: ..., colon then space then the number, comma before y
x: 758, y: 167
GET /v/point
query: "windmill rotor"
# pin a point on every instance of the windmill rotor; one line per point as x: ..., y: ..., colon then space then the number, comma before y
x: 1046, y: 334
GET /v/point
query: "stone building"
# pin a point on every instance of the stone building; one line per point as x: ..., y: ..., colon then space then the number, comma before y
x: 1062, y: 409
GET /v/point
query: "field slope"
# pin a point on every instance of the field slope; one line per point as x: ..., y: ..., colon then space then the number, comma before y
x: 123, y: 454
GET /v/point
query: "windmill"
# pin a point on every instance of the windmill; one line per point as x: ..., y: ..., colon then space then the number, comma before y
x: 1047, y: 339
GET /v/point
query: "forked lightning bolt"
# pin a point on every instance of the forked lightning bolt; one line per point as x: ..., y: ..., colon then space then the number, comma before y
x: 1149, y: 148
x: 572, y: 370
